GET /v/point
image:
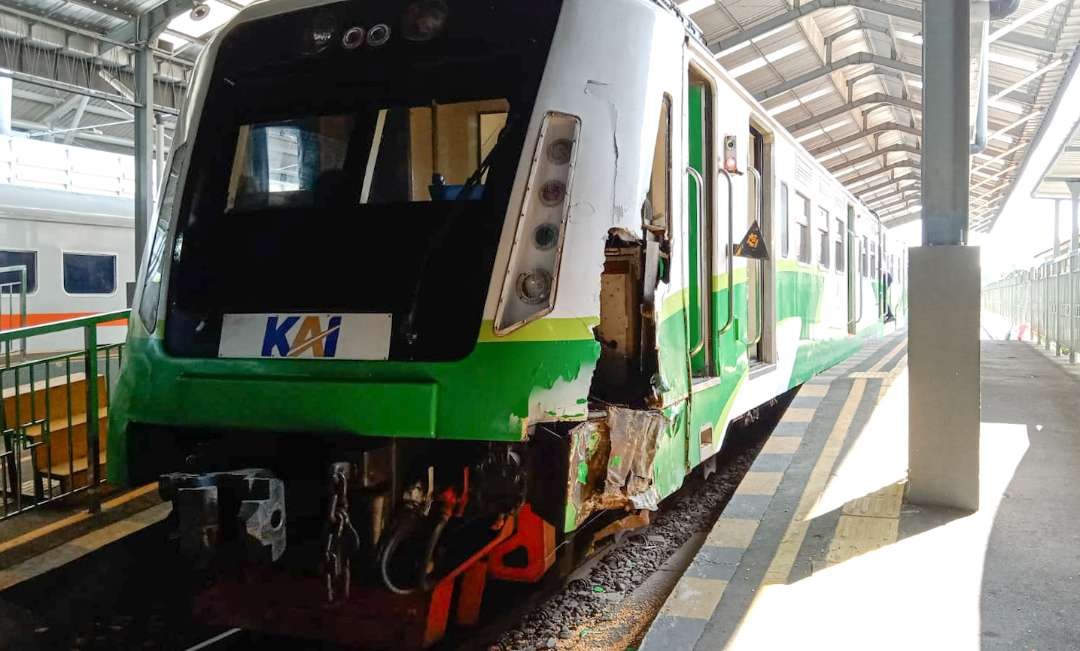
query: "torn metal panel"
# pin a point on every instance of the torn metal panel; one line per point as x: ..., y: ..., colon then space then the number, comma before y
x: 634, y: 435
x: 611, y: 462
x: 590, y: 447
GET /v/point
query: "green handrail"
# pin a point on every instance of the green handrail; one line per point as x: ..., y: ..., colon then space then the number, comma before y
x: 88, y: 325
x: 59, y: 326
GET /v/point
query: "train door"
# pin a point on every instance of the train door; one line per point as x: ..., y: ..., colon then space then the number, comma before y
x: 758, y: 336
x: 700, y: 232
x: 854, y: 268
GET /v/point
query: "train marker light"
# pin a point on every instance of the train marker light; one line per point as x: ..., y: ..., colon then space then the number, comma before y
x: 731, y: 154
x: 353, y: 38
x: 532, y: 274
x: 379, y: 35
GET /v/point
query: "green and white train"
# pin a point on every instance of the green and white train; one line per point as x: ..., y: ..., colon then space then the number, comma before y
x: 436, y: 284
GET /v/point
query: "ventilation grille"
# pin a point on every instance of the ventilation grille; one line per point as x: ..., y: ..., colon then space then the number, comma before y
x: 804, y: 172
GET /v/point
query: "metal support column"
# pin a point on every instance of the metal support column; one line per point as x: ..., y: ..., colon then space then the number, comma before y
x: 1050, y: 266
x: 144, y: 138
x: 5, y: 105
x: 1070, y: 268
x: 943, y: 444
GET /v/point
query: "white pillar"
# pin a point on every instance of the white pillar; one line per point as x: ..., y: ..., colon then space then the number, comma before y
x: 1070, y: 268
x: 945, y: 282
x: 5, y: 106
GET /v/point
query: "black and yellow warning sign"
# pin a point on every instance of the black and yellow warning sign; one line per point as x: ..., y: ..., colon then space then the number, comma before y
x: 753, y: 244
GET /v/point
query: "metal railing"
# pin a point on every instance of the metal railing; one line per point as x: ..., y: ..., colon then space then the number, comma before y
x: 52, y: 415
x: 11, y: 316
x: 1045, y: 299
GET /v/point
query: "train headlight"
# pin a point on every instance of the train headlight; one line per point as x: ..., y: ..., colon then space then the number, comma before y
x: 534, y: 287
x: 532, y: 277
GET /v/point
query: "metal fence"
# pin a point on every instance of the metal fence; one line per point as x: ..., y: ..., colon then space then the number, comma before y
x: 13, y: 284
x: 53, y: 414
x: 1045, y: 299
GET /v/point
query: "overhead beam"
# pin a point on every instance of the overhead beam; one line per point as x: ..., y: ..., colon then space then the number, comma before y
x: 861, y: 178
x: 871, y: 99
x: 806, y: 9
x: 858, y: 58
x: 877, y: 128
x: 151, y: 22
x: 76, y: 119
x: 1020, y: 21
x: 881, y: 186
x: 891, y: 149
x: 28, y: 125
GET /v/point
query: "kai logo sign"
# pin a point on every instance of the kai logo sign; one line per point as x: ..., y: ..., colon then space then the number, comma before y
x: 306, y: 336
x: 296, y: 336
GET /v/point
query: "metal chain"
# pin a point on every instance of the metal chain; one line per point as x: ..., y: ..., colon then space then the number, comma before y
x: 342, y: 541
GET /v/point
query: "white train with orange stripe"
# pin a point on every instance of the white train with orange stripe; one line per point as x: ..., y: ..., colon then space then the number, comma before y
x: 78, y: 252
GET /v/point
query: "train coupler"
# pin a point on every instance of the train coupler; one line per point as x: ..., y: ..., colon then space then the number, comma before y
x: 239, y: 514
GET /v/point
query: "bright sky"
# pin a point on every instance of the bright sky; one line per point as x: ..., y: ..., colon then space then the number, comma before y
x: 1026, y: 225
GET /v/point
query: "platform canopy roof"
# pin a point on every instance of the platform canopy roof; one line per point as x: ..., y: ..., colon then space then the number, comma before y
x: 843, y: 75
x: 1064, y: 168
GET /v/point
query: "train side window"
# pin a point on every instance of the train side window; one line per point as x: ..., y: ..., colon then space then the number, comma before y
x: 785, y: 221
x: 864, y: 258
x: 841, y: 259
x: 89, y: 273
x: 151, y: 292
x: 824, y: 237
x: 9, y: 280
x: 802, y: 219
x: 657, y: 206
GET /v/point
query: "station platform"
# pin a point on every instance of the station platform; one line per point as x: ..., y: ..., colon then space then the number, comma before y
x: 818, y: 548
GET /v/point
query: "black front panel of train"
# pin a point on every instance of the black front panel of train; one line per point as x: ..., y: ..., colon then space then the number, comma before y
x: 308, y: 191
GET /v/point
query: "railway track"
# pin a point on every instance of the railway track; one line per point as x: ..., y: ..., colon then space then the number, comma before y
x: 124, y: 597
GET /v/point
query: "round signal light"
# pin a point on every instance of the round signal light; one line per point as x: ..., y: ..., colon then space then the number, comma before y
x: 546, y: 236
x: 534, y: 287
x: 559, y: 151
x: 552, y: 193
x: 379, y: 35
x: 353, y: 38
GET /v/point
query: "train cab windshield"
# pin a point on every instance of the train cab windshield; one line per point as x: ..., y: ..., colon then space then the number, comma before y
x: 358, y: 158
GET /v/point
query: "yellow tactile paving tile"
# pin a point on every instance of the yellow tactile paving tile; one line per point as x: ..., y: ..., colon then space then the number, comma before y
x: 75, y: 519
x: 798, y: 415
x: 736, y: 533
x: 856, y: 535
x: 760, y: 483
x: 781, y: 445
x: 695, y: 598
x: 780, y: 567
x: 813, y: 390
x: 884, y: 503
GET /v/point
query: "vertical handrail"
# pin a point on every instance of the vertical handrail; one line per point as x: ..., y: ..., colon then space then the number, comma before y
x: 759, y: 313
x: 702, y: 321
x: 93, y: 414
x: 730, y: 253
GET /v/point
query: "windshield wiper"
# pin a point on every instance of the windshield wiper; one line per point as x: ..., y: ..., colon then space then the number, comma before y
x: 439, y: 235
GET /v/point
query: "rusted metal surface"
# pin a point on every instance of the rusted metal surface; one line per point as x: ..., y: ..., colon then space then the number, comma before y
x: 611, y: 462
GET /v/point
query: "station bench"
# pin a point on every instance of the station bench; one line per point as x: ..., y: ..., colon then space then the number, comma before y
x: 54, y: 421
